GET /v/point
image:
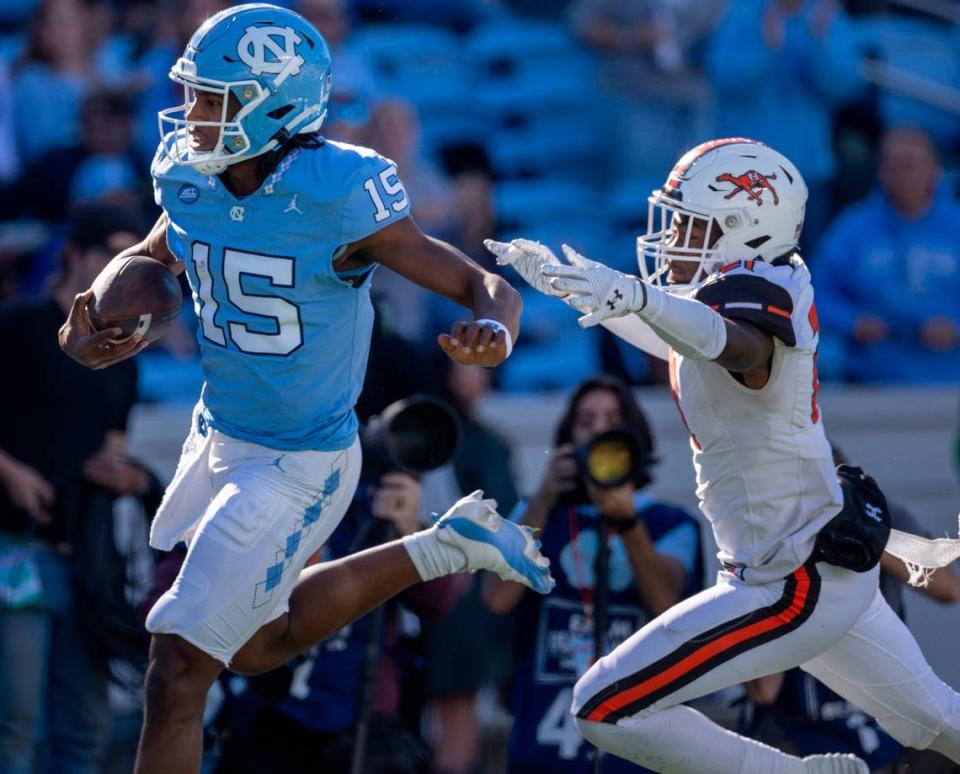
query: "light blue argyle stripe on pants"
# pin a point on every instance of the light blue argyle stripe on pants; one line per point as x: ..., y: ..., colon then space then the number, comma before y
x: 311, y: 515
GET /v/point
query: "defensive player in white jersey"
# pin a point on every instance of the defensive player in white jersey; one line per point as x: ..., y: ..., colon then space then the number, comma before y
x: 279, y: 231
x: 726, y: 299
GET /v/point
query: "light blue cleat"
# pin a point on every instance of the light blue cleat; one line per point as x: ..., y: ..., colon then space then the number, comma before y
x: 490, y: 542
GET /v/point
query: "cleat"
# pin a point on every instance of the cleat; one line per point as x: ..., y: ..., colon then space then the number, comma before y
x: 490, y: 542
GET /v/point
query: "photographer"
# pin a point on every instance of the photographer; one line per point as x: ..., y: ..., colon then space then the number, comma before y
x: 63, y: 465
x: 306, y: 713
x: 653, y: 561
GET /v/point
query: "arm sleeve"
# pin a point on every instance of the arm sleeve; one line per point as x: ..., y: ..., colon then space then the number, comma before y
x: 638, y: 333
x: 690, y: 327
x: 376, y: 199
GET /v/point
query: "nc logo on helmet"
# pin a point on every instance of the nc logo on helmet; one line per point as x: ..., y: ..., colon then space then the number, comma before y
x: 270, y: 50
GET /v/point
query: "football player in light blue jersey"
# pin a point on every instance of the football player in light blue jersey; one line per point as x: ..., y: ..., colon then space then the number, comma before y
x: 279, y: 231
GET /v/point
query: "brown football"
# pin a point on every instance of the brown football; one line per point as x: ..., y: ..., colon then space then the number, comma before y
x: 138, y: 295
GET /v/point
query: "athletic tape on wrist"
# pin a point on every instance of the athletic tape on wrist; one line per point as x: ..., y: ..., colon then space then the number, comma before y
x: 499, y: 326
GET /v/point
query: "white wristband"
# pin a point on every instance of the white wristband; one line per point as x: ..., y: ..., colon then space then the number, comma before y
x: 499, y: 326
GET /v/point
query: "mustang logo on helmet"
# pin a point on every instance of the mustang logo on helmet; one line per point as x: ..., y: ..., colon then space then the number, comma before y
x: 259, y: 42
x: 752, y: 183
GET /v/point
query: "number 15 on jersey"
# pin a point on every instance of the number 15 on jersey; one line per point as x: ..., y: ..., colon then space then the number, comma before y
x: 276, y: 313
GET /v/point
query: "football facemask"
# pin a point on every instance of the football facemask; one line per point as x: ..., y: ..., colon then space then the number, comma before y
x: 739, y: 200
x: 276, y: 66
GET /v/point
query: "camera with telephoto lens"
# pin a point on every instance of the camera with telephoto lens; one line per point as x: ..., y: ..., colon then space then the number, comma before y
x: 414, y: 435
x: 609, y: 460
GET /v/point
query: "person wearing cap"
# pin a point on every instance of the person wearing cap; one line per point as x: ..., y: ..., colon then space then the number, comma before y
x: 62, y: 436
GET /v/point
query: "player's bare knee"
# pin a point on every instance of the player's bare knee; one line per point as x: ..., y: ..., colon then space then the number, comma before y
x: 270, y: 647
x: 178, y: 679
x: 250, y: 663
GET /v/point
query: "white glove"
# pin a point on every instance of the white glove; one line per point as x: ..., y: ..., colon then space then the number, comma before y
x: 526, y: 257
x: 600, y: 291
x: 469, y: 505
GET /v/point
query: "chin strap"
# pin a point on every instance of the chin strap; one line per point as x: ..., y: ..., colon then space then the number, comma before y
x: 922, y: 556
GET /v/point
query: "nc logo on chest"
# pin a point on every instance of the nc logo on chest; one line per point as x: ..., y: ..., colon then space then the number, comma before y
x: 270, y: 50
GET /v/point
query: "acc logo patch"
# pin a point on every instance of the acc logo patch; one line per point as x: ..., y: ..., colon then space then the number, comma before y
x: 270, y: 50
x: 188, y: 193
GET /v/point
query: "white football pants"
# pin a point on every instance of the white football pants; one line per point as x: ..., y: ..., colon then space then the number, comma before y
x: 831, y: 622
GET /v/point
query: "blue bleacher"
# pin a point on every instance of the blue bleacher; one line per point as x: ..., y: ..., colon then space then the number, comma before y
x: 923, y: 48
x: 425, y: 64
x: 536, y: 85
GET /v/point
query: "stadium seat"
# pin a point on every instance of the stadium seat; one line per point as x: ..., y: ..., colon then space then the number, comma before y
x: 554, y: 353
x: 506, y: 50
x: 522, y: 203
x: 626, y: 206
x: 537, y: 59
x: 924, y: 49
x: 401, y: 52
x: 536, y: 133
x: 535, y: 84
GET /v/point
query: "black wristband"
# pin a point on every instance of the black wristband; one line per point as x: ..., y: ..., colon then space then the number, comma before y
x: 625, y: 525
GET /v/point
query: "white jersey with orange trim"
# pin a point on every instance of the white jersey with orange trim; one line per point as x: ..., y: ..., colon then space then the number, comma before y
x: 765, y: 476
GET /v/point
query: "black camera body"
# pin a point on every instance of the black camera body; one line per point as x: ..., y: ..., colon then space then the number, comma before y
x: 609, y: 460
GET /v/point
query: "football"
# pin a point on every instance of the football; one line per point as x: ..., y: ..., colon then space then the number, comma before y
x: 138, y: 295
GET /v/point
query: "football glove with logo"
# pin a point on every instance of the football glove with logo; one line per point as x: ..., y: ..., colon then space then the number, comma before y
x: 593, y: 288
x: 526, y: 257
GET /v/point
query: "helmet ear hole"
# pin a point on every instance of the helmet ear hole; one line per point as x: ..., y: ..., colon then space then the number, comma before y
x: 715, y: 232
x: 755, y: 243
x: 280, y: 112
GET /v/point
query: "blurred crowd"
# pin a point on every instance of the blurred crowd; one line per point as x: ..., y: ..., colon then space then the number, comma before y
x: 548, y: 119
x: 551, y: 120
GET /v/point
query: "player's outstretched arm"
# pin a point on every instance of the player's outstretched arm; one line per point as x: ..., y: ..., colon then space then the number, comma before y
x: 100, y: 349
x: 440, y: 267
x: 690, y: 327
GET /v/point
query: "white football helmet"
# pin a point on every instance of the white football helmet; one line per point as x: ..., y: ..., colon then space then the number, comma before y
x: 743, y: 190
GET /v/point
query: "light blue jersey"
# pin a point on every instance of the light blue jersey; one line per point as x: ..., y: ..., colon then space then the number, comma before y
x: 283, y: 339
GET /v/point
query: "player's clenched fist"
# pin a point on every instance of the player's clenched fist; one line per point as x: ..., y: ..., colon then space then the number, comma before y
x: 485, y: 343
x: 92, y: 348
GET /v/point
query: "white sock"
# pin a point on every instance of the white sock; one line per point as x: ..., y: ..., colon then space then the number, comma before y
x: 431, y: 557
x: 680, y: 740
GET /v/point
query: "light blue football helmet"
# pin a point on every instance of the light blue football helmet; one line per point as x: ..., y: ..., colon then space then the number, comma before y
x: 273, y: 61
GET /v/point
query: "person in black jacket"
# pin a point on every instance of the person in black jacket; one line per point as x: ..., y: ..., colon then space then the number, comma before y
x: 62, y: 447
